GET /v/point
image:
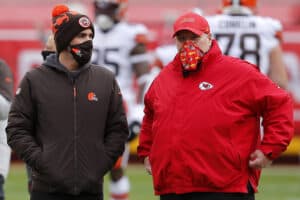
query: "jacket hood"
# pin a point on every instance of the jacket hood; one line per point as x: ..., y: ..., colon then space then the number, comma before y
x: 53, y: 62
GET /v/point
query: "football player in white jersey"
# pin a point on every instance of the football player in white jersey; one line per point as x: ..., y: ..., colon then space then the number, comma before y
x: 121, y: 47
x: 6, y: 96
x: 241, y: 33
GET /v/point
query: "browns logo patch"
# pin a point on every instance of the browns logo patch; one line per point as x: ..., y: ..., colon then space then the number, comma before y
x: 84, y: 22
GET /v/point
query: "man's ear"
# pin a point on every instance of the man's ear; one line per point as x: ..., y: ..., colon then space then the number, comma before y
x: 209, y: 36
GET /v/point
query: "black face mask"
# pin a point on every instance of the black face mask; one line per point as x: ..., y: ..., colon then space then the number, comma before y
x: 46, y: 53
x: 82, y: 52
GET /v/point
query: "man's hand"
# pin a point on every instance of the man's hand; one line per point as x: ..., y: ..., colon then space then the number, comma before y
x: 147, y: 165
x: 258, y: 160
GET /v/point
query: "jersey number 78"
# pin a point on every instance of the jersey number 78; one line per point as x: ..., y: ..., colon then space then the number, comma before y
x: 228, y: 39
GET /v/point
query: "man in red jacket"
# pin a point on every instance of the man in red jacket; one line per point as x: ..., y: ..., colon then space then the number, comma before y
x: 200, y: 136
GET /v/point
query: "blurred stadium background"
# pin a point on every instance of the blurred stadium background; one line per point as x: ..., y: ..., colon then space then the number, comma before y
x: 24, y: 26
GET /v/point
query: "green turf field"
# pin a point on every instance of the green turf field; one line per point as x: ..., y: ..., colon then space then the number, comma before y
x: 277, y: 183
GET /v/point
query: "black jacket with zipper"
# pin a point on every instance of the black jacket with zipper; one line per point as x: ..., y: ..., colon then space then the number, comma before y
x: 70, y: 128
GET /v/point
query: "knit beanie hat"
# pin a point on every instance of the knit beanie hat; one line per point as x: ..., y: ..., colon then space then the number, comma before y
x: 67, y: 24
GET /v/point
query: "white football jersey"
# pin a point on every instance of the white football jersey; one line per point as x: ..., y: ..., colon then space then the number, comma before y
x: 247, y: 37
x: 112, y: 49
x: 166, y: 53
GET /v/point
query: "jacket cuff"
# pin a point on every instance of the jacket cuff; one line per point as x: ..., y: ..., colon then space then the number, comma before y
x: 142, y: 156
x: 271, y: 152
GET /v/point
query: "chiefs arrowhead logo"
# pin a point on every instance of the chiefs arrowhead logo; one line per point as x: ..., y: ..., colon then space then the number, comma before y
x: 205, y: 86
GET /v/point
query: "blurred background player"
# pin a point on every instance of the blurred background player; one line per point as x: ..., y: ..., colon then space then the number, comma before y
x: 6, y: 95
x: 241, y: 33
x: 121, y: 46
x: 50, y: 47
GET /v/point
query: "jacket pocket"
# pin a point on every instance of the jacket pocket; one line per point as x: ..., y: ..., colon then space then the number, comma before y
x: 216, y: 168
x: 50, y: 167
x: 108, y: 164
x: 96, y: 162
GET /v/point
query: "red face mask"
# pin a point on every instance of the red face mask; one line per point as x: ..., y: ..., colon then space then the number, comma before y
x: 190, y: 55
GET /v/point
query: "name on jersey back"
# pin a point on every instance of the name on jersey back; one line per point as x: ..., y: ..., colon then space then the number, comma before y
x: 236, y: 24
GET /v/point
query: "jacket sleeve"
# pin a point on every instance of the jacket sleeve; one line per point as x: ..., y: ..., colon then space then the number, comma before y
x: 116, y: 128
x: 20, y: 128
x: 145, y: 137
x: 276, y: 108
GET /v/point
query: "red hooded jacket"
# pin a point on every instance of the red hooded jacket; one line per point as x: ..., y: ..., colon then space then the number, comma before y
x: 200, y: 130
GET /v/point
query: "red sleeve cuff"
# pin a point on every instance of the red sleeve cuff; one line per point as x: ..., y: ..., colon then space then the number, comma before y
x: 271, y: 152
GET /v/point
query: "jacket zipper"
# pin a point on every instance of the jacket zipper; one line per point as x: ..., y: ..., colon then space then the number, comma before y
x: 75, y: 137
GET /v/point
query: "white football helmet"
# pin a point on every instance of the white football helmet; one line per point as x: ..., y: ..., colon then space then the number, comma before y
x: 109, y: 12
x: 239, y: 6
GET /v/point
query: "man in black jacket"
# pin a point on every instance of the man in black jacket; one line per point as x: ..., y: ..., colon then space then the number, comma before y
x: 67, y: 121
